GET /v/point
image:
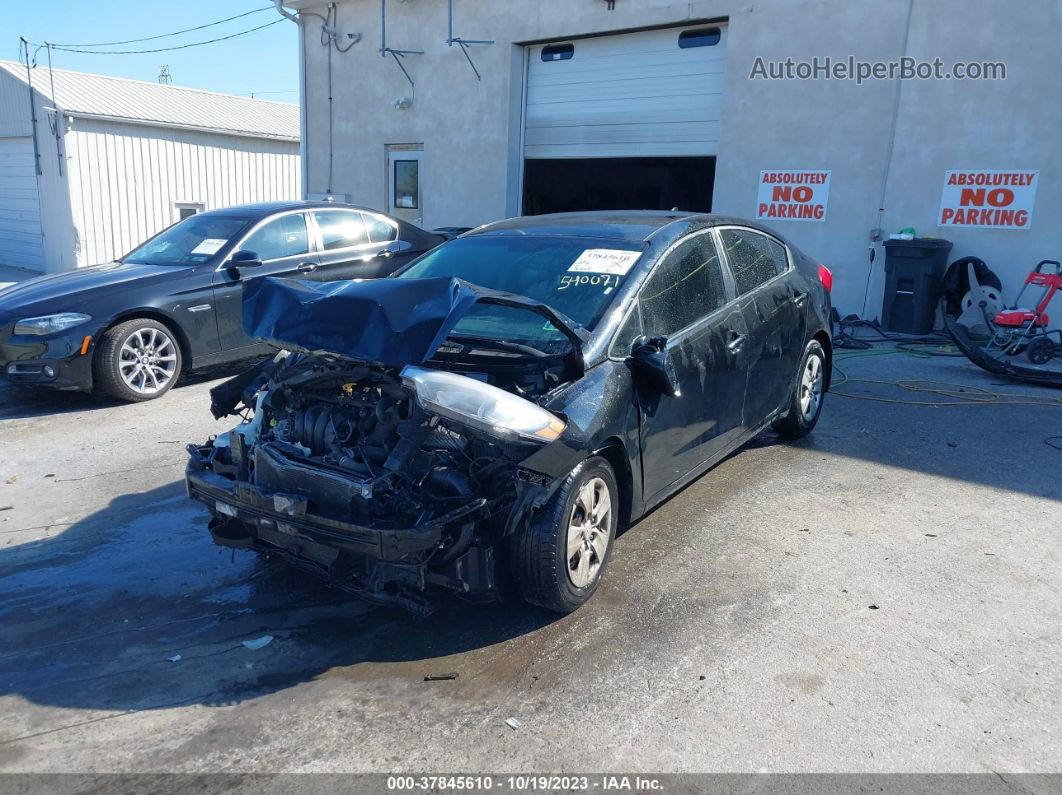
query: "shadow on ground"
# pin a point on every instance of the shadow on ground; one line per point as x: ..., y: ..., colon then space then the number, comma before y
x: 93, y: 615
x: 22, y: 401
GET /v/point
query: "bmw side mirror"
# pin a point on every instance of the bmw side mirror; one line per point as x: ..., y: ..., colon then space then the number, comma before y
x: 244, y: 259
x: 650, y: 363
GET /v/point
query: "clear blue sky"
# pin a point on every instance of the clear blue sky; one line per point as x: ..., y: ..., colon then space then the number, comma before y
x: 263, y: 62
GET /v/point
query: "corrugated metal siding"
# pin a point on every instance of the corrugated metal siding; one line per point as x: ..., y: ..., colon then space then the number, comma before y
x: 135, y: 100
x: 636, y: 94
x: 123, y: 183
x: 14, y: 106
x: 21, y: 240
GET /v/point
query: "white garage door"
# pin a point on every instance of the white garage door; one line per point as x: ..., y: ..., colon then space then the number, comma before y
x: 653, y: 93
x: 21, y: 240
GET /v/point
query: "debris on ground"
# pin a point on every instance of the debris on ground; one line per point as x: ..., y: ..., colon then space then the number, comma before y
x: 11, y: 479
x: 174, y: 658
x: 440, y: 677
x: 513, y: 723
x: 7, y: 507
x: 873, y: 607
x: 258, y: 643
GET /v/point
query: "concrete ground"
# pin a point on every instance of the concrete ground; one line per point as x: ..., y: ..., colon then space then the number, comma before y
x: 882, y: 596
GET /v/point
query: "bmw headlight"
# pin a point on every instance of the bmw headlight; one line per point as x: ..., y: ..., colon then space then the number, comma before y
x: 481, y: 405
x: 50, y: 324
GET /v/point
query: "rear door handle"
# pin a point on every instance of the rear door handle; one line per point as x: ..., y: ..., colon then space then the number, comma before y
x: 736, y: 341
x: 386, y: 254
x: 307, y: 267
x: 799, y: 298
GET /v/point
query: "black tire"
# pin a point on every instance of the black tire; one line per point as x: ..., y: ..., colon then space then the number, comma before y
x: 539, y: 556
x: 797, y: 421
x: 1041, y: 350
x: 108, y: 360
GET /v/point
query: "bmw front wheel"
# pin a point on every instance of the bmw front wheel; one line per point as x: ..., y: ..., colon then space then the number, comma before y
x: 137, y: 360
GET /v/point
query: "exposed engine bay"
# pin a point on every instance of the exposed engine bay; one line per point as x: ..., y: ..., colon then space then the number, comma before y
x: 385, y: 481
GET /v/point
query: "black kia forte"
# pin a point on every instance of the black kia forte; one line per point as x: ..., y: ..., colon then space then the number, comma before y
x: 492, y: 414
x: 173, y: 304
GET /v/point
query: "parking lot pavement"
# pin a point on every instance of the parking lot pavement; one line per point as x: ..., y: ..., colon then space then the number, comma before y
x: 882, y: 596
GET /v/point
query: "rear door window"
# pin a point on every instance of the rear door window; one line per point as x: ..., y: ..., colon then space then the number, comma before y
x: 683, y: 288
x: 341, y: 229
x: 380, y: 231
x: 754, y: 258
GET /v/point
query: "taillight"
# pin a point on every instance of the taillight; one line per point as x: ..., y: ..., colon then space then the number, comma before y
x: 826, y: 278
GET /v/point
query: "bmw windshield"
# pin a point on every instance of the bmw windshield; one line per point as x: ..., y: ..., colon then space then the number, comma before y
x: 193, y: 241
x: 575, y: 276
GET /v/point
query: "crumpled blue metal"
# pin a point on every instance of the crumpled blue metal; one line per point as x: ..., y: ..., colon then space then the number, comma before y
x: 389, y: 322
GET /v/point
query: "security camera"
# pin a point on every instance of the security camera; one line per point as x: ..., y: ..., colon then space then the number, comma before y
x: 401, y: 103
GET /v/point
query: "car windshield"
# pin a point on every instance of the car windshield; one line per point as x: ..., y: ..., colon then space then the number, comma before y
x: 193, y: 241
x: 575, y: 276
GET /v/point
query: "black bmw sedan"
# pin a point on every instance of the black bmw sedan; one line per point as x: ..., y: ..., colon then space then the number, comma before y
x: 494, y: 412
x: 131, y: 327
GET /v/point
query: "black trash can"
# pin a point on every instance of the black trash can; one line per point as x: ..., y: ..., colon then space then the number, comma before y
x: 914, y: 275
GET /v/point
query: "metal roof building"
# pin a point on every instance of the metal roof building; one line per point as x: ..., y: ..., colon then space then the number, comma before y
x: 91, y: 165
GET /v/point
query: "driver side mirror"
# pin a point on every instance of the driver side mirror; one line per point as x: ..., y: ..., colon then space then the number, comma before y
x: 244, y: 259
x: 650, y: 363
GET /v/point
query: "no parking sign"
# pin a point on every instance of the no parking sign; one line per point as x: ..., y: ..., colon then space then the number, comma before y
x: 793, y: 195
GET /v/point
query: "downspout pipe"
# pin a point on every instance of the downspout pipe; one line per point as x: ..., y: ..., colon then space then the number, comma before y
x: 33, y: 110
x: 304, y: 166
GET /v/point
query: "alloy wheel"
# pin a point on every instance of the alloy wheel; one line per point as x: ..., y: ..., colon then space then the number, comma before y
x: 811, y: 387
x: 147, y: 361
x: 589, y: 527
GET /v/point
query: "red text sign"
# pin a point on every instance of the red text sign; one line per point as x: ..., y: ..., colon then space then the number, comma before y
x: 793, y: 195
x: 988, y: 199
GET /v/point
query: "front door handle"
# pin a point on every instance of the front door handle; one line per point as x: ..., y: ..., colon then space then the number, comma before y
x: 735, y: 342
x: 386, y: 254
x: 799, y: 298
x: 307, y: 267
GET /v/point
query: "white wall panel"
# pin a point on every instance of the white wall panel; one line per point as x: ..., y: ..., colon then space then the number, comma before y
x: 21, y: 239
x: 125, y: 179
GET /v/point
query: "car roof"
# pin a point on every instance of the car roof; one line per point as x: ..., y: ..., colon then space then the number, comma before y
x: 629, y: 225
x: 262, y: 209
x: 659, y: 227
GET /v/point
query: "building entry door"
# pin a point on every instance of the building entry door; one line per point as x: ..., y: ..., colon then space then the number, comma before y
x: 404, y: 198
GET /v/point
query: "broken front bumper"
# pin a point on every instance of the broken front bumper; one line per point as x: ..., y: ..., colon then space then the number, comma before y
x: 282, y: 520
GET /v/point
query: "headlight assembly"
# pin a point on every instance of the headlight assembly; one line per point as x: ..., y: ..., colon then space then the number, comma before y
x: 50, y: 324
x: 481, y: 405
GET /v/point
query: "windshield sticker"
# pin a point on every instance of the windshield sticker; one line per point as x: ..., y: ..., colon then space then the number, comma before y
x: 602, y: 280
x: 605, y: 260
x: 209, y: 246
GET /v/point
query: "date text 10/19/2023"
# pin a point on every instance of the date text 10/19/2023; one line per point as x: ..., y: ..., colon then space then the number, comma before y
x: 523, y: 783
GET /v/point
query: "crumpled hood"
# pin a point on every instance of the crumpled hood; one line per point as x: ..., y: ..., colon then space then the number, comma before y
x: 390, y: 322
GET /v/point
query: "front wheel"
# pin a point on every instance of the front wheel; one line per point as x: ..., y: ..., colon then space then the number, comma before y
x: 805, y: 405
x: 137, y: 360
x: 559, y: 560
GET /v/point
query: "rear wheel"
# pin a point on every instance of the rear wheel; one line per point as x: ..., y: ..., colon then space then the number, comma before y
x: 1041, y: 350
x: 137, y: 360
x: 805, y: 405
x: 559, y: 560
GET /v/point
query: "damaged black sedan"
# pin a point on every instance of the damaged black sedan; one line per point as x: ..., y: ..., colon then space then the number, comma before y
x: 485, y: 421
